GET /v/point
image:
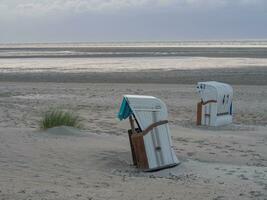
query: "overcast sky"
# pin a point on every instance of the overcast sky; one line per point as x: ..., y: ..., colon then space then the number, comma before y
x: 131, y: 20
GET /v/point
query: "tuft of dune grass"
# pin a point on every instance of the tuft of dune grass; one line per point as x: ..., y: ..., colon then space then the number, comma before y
x: 54, y: 118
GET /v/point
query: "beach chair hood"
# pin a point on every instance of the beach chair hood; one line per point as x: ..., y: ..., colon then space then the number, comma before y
x: 141, y: 107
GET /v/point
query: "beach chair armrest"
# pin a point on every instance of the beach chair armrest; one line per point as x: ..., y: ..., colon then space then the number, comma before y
x: 154, y: 125
x: 210, y: 101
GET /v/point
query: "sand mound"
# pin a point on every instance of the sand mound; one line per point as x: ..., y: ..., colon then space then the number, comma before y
x: 64, y: 131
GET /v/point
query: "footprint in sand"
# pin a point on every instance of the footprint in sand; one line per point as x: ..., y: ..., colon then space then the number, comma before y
x: 243, y: 177
x: 219, y: 198
x: 102, y: 185
x: 254, y: 194
x: 190, y: 153
x: 212, y: 153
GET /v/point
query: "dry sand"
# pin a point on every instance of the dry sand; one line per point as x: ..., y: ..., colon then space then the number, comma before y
x: 217, y: 163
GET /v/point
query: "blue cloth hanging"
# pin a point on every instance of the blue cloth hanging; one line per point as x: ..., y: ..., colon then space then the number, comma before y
x: 125, y: 110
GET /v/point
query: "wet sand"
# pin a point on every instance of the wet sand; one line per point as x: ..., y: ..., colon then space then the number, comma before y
x: 238, y: 76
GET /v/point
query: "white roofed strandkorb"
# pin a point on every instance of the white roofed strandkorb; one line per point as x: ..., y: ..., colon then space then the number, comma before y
x: 216, y: 99
x: 148, y: 110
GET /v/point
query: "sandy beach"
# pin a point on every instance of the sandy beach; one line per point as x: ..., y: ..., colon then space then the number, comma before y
x: 228, y: 162
x: 216, y: 163
x: 71, y: 69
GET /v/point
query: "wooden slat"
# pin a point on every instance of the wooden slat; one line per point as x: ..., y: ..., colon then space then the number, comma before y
x: 220, y: 114
x: 132, y: 123
x: 132, y: 147
x: 199, y: 113
x: 139, y: 150
x: 210, y: 101
x: 152, y: 126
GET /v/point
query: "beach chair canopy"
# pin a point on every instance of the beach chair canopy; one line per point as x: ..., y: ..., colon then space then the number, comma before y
x: 212, y: 90
x: 142, y: 107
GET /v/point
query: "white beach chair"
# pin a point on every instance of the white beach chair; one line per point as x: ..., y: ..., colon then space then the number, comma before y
x: 150, y: 141
x: 215, y: 108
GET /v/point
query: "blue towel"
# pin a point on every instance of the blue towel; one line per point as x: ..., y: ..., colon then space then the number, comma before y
x: 125, y: 110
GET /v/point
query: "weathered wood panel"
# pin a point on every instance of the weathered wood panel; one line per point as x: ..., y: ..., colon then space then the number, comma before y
x: 199, y: 113
x: 139, y: 150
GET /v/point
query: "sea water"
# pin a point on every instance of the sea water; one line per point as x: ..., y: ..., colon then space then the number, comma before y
x: 131, y: 56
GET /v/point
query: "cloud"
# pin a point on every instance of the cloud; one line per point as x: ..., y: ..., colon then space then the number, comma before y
x: 35, y: 8
x: 102, y: 20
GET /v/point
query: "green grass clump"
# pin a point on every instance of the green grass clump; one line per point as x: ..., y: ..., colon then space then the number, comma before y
x: 56, y: 117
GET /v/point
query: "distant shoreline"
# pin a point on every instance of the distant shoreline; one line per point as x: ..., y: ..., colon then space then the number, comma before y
x: 237, y: 76
x: 131, y: 52
x: 235, y: 62
x: 220, y: 42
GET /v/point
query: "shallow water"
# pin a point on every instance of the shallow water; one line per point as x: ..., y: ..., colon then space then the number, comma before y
x: 117, y: 57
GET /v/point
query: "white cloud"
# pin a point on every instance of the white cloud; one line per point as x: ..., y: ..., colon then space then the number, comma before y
x: 130, y: 19
x: 18, y: 8
x: 31, y: 7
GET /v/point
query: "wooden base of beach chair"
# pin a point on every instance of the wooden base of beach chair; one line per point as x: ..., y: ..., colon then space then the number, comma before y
x: 199, y: 110
x: 130, y: 133
x: 199, y: 113
x: 136, y: 138
x: 138, y: 149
